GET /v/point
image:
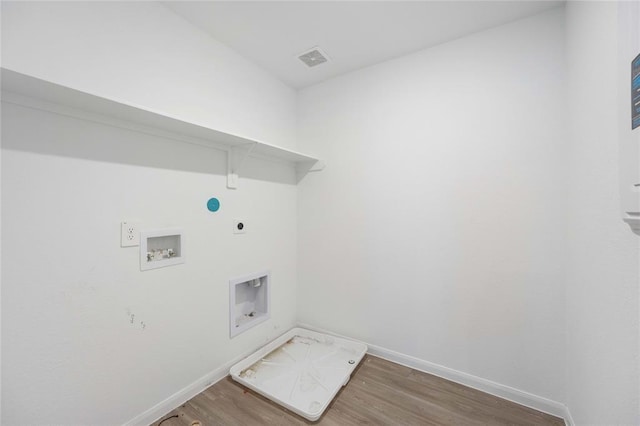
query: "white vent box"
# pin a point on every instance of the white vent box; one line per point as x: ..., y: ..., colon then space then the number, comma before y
x: 161, y: 247
x: 249, y: 302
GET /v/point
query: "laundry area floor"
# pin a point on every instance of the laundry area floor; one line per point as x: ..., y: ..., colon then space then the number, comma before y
x: 380, y: 392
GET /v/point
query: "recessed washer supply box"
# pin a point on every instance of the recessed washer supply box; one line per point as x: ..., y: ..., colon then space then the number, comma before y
x: 302, y: 370
x: 161, y: 247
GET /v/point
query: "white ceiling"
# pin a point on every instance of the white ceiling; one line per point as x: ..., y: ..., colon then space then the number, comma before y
x: 354, y: 34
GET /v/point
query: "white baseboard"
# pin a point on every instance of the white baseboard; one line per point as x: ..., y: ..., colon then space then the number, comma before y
x: 568, y: 420
x: 177, y: 399
x: 506, y: 392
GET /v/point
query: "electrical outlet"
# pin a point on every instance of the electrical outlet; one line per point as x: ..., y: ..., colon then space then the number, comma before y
x: 239, y: 226
x: 129, y: 234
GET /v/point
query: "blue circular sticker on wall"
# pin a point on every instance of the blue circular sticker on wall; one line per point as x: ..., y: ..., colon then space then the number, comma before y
x: 213, y: 204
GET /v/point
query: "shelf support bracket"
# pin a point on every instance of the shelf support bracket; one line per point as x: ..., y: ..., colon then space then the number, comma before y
x: 235, y: 158
x: 305, y: 167
x: 633, y: 220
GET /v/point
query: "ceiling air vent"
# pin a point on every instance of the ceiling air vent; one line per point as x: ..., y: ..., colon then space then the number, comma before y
x: 313, y: 57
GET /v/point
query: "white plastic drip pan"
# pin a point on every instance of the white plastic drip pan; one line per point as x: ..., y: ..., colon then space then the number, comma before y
x: 302, y: 370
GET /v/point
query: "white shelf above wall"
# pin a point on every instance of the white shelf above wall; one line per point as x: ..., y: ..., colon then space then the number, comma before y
x: 25, y: 90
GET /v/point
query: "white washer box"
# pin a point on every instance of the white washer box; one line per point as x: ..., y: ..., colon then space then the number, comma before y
x: 161, y: 247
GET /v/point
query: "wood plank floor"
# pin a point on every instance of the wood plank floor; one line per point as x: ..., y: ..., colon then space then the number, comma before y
x: 379, y: 393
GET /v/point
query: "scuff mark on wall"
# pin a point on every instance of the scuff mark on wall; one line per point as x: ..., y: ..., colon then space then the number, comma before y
x: 131, y: 316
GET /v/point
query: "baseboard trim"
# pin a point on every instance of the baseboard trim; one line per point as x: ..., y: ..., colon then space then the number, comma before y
x: 506, y: 392
x: 177, y: 399
x: 568, y: 420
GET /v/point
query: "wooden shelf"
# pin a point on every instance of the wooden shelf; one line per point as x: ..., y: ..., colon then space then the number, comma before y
x: 25, y: 90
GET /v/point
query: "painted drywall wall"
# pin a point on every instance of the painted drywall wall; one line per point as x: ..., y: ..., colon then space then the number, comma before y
x: 603, y: 279
x: 142, y: 53
x: 438, y: 228
x: 74, y: 346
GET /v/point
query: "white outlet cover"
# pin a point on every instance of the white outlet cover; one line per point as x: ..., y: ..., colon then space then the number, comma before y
x: 239, y: 226
x: 129, y: 234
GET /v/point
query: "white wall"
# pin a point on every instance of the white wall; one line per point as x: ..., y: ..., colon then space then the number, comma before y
x: 603, y: 376
x: 441, y: 227
x: 438, y: 228
x: 70, y: 354
x: 143, y: 54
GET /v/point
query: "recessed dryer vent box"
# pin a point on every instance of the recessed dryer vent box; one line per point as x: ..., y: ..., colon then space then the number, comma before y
x: 161, y: 247
x: 249, y: 302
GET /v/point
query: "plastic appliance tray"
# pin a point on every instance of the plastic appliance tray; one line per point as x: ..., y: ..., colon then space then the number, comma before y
x: 302, y: 370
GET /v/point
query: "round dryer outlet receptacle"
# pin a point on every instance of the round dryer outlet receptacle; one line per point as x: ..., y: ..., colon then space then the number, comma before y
x: 239, y: 226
